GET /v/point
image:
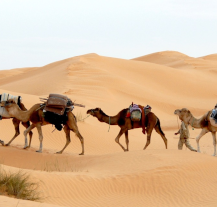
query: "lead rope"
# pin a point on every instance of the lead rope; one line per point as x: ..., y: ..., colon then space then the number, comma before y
x: 109, y: 123
x: 84, y: 118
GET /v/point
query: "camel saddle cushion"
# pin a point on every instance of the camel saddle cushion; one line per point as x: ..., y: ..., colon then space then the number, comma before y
x: 56, y: 103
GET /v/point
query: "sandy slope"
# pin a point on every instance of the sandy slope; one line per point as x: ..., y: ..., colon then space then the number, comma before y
x: 105, y: 175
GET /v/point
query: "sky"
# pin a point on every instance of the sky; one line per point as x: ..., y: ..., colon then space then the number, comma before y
x: 38, y: 32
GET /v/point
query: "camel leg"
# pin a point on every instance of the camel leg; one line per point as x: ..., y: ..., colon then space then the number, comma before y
x: 25, y: 135
x: 16, y: 124
x: 160, y: 132
x: 118, y: 137
x: 26, y: 125
x: 38, y: 126
x: 81, y: 140
x: 73, y: 126
x: 68, y: 140
x: 149, y: 132
x: 2, y: 142
x: 203, y: 132
x: 127, y: 140
x: 214, y: 142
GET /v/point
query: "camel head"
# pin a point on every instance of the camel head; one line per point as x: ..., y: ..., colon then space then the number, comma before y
x: 184, y: 114
x: 11, y: 107
x: 97, y: 112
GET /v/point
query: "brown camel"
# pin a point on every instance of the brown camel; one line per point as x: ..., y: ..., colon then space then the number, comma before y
x: 35, y: 115
x: 16, y: 124
x: 151, y: 122
x: 205, y: 123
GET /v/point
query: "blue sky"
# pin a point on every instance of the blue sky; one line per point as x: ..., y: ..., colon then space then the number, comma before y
x: 38, y: 32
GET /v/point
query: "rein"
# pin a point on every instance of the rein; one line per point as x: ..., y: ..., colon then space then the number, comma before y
x: 85, y: 118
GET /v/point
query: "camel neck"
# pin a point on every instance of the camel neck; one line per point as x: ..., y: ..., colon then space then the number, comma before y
x: 111, y: 120
x: 24, y: 116
x: 196, y: 123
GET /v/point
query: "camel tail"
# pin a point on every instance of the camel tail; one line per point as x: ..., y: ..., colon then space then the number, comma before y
x: 158, y: 125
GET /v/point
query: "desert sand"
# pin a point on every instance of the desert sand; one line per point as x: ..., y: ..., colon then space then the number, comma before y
x: 106, y: 175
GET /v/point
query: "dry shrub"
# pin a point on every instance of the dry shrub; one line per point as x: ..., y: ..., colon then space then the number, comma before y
x: 18, y: 185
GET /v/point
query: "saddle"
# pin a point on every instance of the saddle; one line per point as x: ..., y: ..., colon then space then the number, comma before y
x: 213, y: 115
x: 56, y: 108
x: 56, y: 103
x: 138, y: 113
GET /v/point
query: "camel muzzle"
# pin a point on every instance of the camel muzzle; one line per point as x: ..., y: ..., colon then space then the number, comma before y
x: 90, y: 111
x: 177, y: 111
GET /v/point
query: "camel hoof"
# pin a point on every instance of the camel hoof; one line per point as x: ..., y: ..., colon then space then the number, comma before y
x: 213, y: 155
x: 26, y: 147
x: 81, y: 153
x: 58, y: 153
x: 39, y: 151
x: 126, y: 150
x: 3, y: 144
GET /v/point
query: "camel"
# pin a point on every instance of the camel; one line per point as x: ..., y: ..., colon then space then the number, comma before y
x: 35, y: 115
x: 205, y: 123
x: 16, y: 124
x: 125, y: 123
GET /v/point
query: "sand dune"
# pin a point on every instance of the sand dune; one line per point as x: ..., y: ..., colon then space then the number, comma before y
x: 212, y: 57
x: 105, y: 175
x: 180, y: 61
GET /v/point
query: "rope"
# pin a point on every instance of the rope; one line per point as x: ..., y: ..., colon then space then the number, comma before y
x: 53, y: 130
x: 109, y: 123
x: 84, y: 118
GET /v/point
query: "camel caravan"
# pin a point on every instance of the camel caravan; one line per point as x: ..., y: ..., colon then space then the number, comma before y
x: 57, y: 110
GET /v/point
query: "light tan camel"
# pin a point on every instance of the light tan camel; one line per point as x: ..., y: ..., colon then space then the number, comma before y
x: 16, y: 124
x: 151, y: 122
x: 205, y: 123
x: 35, y: 115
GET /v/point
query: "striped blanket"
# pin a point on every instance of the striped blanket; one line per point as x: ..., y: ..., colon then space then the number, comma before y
x: 7, y: 96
